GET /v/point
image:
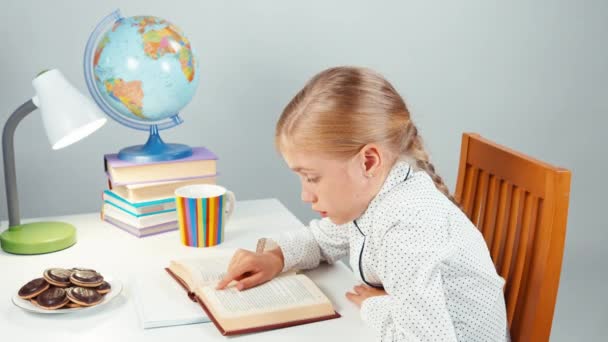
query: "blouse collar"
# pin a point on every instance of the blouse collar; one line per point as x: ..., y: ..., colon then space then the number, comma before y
x: 399, y: 173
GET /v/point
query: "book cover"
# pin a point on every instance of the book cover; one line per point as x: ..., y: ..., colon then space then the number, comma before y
x: 139, y: 208
x: 142, y: 232
x: 141, y: 211
x: 198, y: 153
x: 155, y: 302
x: 152, y: 191
x: 138, y: 221
x: 202, y: 162
x: 156, y: 181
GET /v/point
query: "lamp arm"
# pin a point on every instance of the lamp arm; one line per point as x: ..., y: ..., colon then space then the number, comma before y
x: 8, y: 153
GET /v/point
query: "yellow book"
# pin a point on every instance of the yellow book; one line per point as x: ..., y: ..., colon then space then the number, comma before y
x: 137, y: 193
x: 201, y: 163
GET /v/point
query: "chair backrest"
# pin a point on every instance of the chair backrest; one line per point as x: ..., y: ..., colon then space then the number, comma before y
x: 520, y: 205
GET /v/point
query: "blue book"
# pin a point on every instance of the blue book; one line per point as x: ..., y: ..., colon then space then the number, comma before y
x: 140, y: 208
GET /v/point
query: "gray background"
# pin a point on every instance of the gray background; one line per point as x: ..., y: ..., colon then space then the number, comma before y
x: 532, y: 75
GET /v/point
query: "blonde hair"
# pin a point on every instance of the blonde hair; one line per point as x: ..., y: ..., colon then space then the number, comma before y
x: 342, y: 109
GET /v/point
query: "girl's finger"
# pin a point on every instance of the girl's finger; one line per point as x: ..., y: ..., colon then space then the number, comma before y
x: 233, y: 273
x: 250, y: 281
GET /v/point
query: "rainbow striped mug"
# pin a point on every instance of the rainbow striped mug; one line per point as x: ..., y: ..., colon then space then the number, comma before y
x: 202, y: 212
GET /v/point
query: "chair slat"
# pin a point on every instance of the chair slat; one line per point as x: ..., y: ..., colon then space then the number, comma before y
x: 512, y: 232
x: 514, y: 223
x: 470, y: 187
x: 480, y: 199
x: 534, y: 234
x: 501, y: 224
x: 520, y: 252
x: 489, y: 218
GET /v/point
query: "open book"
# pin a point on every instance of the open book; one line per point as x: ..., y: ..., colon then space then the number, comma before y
x: 287, y: 300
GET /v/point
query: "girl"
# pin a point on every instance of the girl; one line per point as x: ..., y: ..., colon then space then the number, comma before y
x: 426, y: 270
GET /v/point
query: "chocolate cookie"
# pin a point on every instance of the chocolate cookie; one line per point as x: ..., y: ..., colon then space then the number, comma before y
x: 52, y: 298
x: 33, y: 288
x: 86, y: 278
x: 84, y: 296
x: 103, y: 288
x: 74, y: 269
x: 57, y: 276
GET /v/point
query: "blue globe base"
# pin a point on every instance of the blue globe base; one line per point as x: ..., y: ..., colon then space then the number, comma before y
x: 154, y: 150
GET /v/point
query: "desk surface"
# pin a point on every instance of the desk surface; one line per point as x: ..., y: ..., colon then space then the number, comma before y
x: 116, y: 253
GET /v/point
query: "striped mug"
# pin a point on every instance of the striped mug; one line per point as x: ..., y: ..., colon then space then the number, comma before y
x: 202, y: 212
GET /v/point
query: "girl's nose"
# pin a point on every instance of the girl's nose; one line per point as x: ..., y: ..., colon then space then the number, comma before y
x: 307, y: 197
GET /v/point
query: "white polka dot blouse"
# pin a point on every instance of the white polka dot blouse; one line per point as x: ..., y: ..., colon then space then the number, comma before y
x: 430, y: 259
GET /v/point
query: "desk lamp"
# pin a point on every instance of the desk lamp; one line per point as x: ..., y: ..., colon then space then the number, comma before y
x: 68, y: 116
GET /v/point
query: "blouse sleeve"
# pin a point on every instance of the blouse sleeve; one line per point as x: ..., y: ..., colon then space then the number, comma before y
x: 320, y: 241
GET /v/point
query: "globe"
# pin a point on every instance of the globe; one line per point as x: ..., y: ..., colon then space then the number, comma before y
x: 142, y: 71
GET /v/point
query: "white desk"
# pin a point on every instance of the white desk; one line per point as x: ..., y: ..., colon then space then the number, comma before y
x: 111, y: 251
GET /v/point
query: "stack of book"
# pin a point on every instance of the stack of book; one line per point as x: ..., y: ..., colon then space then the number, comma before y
x: 140, y: 196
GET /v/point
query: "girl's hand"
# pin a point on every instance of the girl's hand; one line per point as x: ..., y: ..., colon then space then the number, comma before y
x: 251, y: 269
x: 362, y: 292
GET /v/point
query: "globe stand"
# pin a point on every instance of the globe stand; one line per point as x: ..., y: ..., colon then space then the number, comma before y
x: 154, y: 150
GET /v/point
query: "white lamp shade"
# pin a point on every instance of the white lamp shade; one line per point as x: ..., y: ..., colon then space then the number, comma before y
x: 67, y: 114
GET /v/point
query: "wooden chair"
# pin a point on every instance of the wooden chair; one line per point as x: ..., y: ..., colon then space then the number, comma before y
x: 520, y: 205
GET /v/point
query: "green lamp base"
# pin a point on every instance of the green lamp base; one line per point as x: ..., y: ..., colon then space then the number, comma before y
x: 38, y: 238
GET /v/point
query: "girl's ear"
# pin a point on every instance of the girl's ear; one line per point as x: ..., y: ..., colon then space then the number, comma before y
x: 371, y: 160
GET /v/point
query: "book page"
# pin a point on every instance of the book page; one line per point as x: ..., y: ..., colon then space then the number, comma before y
x: 208, y: 270
x: 278, y: 294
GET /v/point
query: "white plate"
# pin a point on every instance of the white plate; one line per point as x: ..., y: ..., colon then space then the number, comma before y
x: 116, y: 287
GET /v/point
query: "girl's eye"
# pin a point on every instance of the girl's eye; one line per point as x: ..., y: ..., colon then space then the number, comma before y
x: 312, y: 180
